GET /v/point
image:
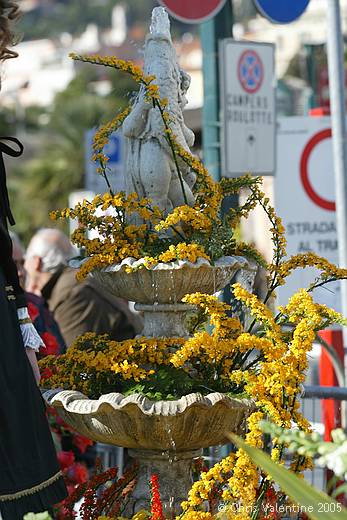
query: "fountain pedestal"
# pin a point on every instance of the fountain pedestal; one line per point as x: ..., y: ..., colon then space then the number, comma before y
x: 164, y: 320
x: 174, y: 471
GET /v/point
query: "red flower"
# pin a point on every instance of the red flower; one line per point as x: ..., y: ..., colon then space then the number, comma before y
x: 46, y: 373
x: 78, y: 473
x: 81, y: 442
x: 65, y: 459
x: 156, y: 505
x: 33, y: 311
x: 52, y: 346
x: 70, y: 488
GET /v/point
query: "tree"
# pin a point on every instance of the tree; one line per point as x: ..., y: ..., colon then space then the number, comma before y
x: 43, y: 183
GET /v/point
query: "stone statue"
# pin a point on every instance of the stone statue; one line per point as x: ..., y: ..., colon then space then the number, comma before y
x: 150, y: 167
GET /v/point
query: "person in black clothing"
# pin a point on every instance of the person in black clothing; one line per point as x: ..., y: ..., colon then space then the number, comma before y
x: 30, y: 478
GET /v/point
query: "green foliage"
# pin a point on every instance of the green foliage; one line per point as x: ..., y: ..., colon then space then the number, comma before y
x: 297, y: 440
x: 170, y: 383
x: 38, y: 516
x: 167, y: 383
x: 7, y: 121
x: 296, y: 488
x: 158, y: 246
x: 234, y: 185
x: 220, y: 242
x: 331, y: 454
x: 252, y: 253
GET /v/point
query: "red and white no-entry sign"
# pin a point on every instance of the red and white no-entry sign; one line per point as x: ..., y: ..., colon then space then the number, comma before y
x: 304, y: 199
x: 317, y: 198
x: 193, y: 11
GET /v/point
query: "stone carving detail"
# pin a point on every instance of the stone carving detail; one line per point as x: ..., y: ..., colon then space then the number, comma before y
x: 150, y: 168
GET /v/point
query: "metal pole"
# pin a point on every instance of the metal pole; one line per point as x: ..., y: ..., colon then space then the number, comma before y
x: 218, y: 27
x: 338, y: 122
x: 215, y: 29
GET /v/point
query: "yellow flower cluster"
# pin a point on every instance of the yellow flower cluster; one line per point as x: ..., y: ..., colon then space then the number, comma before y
x: 183, y: 222
x: 194, y: 217
x: 101, y: 138
x: 217, y: 347
x: 243, y: 482
x: 301, y: 305
x: 263, y: 314
x: 111, y: 61
x: 152, y: 92
x: 183, y: 251
x: 127, y: 226
x: 208, y: 192
x: 328, y: 270
x: 99, y: 359
x: 274, y: 383
x: 116, y: 238
x: 196, y: 515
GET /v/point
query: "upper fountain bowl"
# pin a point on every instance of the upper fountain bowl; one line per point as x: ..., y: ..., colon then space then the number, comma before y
x: 168, y: 283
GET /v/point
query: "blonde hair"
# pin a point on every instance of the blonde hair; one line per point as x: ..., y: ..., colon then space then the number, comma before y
x: 9, y: 12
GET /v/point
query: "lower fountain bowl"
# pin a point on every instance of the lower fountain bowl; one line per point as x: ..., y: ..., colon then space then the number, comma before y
x: 189, y: 423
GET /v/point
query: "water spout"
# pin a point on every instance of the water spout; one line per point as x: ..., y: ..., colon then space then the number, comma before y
x: 160, y: 23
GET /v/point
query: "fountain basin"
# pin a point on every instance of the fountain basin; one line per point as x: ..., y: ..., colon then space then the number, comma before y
x: 169, y: 282
x: 189, y: 423
x: 164, y: 436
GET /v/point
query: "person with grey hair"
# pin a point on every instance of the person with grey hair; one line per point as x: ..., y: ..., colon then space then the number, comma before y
x: 38, y: 310
x: 48, y: 250
x: 77, y: 307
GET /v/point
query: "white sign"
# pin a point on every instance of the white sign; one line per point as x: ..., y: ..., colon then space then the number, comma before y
x: 304, y: 199
x: 75, y: 197
x: 248, y: 107
x: 115, y: 171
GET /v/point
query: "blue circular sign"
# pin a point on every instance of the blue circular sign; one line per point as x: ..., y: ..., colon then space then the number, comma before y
x: 281, y: 11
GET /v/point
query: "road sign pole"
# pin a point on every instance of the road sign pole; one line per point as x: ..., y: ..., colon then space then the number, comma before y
x: 212, y: 31
x: 215, y: 29
x: 338, y: 121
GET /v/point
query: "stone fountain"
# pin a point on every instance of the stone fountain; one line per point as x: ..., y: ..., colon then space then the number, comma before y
x: 164, y: 436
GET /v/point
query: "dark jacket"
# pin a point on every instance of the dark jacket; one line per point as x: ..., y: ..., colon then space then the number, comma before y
x: 80, y: 307
x: 8, y: 266
x: 30, y: 478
